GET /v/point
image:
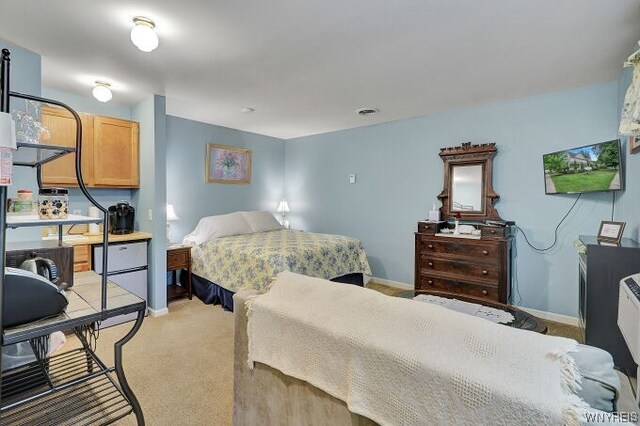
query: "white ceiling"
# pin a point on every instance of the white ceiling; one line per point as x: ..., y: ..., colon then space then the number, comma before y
x: 306, y: 66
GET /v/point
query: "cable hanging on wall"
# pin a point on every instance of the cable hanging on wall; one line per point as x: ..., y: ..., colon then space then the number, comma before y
x: 555, y: 232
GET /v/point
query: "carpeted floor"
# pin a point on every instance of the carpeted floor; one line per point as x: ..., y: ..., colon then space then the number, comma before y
x: 181, y: 365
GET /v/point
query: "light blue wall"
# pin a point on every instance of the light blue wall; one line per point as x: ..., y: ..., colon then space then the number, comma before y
x: 399, y: 174
x: 187, y: 190
x: 628, y: 204
x: 150, y: 198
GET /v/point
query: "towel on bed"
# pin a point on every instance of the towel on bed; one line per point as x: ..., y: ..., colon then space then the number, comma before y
x: 399, y: 362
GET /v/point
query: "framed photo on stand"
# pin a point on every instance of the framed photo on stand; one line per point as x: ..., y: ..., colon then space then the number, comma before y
x: 634, y: 144
x: 611, y: 232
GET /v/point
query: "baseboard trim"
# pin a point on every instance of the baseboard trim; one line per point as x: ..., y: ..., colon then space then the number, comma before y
x: 158, y: 312
x: 392, y: 283
x: 551, y: 316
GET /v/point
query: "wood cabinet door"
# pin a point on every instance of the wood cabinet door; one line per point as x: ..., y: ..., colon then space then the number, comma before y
x: 62, y: 127
x: 116, y: 148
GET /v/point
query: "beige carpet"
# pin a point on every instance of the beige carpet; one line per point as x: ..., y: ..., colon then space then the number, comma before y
x: 181, y: 365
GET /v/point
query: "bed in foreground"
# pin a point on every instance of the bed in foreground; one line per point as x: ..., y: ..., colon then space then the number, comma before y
x: 223, y: 266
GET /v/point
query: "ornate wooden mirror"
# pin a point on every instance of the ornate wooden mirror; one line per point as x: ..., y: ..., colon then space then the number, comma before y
x: 468, y: 187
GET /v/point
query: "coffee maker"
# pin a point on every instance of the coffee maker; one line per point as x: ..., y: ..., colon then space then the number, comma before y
x: 121, y: 218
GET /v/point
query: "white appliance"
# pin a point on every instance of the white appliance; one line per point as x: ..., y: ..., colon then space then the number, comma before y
x: 629, y: 317
x: 127, y: 267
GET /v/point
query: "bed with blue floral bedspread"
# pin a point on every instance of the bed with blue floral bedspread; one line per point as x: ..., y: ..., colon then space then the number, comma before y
x: 251, y: 261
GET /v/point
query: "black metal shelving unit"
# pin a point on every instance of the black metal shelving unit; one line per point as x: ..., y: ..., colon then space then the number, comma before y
x: 74, y: 387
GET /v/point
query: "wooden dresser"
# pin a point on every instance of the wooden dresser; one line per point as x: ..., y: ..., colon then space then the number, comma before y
x: 473, y: 267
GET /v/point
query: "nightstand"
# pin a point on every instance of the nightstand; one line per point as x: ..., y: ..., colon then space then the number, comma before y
x: 179, y: 257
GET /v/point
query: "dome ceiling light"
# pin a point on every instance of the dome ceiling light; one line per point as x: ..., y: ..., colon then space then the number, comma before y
x: 143, y: 35
x: 102, y: 91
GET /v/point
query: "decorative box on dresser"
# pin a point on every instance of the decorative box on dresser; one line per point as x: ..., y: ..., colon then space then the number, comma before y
x: 477, y: 266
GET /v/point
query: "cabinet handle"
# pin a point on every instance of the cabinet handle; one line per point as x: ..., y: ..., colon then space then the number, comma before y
x: 484, y: 272
x: 430, y: 264
x: 430, y: 246
x: 493, y: 232
x: 122, y: 248
x: 485, y: 252
x: 485, y: 292
x: 430, y: 282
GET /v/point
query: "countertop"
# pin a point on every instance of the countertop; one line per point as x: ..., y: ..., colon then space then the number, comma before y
x: 78, y: 240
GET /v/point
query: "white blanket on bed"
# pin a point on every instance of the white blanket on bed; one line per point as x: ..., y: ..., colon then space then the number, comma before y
x: 399, y: 362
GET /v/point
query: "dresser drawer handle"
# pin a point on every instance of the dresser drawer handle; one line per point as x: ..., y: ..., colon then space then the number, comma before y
x: 430, y: 264
x: 493, y: 232
x: 485, y: 292
x: 430, y: 246
x: 430, y: 282
x: 485, y: 252
x: 484, y: 272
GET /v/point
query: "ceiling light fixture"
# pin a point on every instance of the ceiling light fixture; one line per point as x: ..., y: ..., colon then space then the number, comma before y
x: 142, y: 35
x: 248, y: 110
x: 102, y: 91
x: 367, y: 111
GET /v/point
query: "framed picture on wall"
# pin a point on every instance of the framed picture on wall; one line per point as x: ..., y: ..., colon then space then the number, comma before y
x: 634, y: 144
x: 228, y: 164
x: 610, y: 232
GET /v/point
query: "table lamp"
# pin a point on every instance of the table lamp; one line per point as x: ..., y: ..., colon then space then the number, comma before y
x: 283, y: 209
x: 171, y: 217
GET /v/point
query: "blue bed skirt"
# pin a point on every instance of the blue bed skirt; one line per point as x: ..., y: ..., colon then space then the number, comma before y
x: 212, y: 294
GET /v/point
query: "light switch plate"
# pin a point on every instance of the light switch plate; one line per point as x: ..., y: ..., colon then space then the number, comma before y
x: 150, y: 214
x: 352, y: 178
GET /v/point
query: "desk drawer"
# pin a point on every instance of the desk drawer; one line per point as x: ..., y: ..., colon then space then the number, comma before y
x: 429, y: 265
x: 426, y: 282
x: 482, y: 251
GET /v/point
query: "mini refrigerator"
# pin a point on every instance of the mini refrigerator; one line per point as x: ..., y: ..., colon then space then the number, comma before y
x: 127, y: 267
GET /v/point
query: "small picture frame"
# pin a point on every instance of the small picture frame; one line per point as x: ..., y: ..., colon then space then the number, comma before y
x: 634, y: 144
x: 611, y: 232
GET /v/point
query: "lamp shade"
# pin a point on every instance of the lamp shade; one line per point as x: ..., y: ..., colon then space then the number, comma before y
x: 283, y: 207
x: 171, y: 213
x: 7, y: 131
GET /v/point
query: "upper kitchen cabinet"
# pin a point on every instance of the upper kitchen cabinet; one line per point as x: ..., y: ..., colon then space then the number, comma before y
x: 116, y: 153
x: 110, y: 151
x: 62, y: 127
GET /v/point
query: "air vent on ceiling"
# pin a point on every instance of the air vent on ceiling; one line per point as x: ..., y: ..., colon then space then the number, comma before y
x: 367, y: 111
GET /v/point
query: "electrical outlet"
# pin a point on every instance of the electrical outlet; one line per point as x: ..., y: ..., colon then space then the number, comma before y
x: 352, y: 178
x: 150, y: 214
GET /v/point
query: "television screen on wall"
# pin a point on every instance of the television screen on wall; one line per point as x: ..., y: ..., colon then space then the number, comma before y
x: 588, y: 168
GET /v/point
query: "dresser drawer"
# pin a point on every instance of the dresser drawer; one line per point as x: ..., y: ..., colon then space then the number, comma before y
x: 178, y: 258
x: 430, y: 265
x: 495, y: 232
x: 426, y: 282
x: 429, y: 228
x: 485, y: 251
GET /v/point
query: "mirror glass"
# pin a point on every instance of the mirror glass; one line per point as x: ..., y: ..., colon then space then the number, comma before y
x: 466, y: 188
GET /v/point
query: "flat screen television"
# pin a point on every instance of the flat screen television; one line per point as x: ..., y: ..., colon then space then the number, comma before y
x: 590, y: 168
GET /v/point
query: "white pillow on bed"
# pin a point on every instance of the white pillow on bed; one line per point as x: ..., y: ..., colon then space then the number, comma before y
x: 261, y: 221
x: 218, y: 226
